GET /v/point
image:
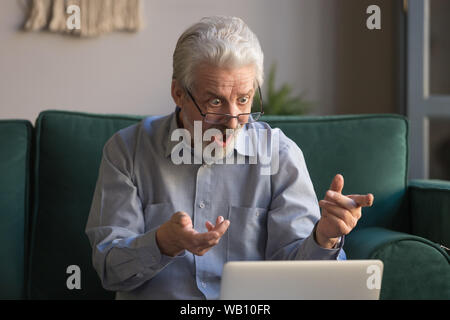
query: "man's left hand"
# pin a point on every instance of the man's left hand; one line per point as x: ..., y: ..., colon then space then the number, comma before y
x: 340, y: 213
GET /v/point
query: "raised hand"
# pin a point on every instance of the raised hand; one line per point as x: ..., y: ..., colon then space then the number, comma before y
x: 340, y: 213
x: 178, y: 234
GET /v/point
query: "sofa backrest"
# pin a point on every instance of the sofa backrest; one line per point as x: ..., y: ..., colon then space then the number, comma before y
x: 370, y: 151
x: 15, y: 153
x: 68, y: 152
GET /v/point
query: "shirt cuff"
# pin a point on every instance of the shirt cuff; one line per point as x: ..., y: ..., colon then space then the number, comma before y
x: 311, y: 250
x: 339, y: 244
x: 150, y: 255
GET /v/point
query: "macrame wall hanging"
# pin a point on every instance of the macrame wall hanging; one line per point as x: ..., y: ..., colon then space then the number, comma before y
x: 96, y: 16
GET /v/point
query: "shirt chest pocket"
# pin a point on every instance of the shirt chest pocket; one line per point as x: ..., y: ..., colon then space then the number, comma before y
x: 247, y: 233
x: 156, y: 214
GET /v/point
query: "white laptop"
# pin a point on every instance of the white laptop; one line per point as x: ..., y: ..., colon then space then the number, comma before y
x: 302, y: 280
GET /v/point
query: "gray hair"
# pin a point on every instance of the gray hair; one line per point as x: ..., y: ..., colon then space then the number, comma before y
x: 218, y: 40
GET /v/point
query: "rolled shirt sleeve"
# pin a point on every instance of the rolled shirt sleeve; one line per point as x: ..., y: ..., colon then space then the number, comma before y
x: 124, y: 254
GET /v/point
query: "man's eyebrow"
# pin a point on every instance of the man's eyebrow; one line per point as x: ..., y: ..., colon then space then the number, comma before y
x: 211, y: 93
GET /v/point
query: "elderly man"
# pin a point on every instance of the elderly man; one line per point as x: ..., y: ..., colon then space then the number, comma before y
x: 161, y: 228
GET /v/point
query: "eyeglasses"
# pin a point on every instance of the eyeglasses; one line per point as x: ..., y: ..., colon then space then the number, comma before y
x: 222, y: 118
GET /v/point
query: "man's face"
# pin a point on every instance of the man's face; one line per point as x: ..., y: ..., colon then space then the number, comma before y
x: 219, y: 90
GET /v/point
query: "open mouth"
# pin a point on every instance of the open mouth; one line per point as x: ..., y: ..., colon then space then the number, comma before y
x: 222, y: 140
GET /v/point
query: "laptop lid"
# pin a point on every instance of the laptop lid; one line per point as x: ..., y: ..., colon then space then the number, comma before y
x: 302, y: 280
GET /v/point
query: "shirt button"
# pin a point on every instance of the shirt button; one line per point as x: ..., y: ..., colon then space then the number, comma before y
x: 203, y: 284
x: 257, y: 213
x: 202, y: 204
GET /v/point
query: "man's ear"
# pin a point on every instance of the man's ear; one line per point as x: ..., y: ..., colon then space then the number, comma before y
x: 178, y: 93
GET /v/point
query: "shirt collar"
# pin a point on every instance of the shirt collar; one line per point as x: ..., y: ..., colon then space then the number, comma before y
x: 245, y: 144
x: 172, y: 126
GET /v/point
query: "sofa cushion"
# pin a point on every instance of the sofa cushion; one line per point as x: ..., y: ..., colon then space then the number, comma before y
x: 69, y: 149
x: 370, y: 151
x: 15, y: 150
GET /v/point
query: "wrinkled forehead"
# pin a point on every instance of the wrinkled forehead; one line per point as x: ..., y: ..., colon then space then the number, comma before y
x: 237, y: 80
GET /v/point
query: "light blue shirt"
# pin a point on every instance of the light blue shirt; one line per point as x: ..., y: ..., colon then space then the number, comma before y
x: 272, y: 216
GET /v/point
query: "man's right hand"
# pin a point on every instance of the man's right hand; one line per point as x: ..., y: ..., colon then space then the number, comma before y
x: 178, y: 234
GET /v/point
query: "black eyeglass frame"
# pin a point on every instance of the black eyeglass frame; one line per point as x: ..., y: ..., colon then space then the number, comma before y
x: 230, y: 116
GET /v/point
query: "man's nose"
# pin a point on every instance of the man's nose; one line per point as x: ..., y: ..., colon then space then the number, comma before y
x: 232, y: 123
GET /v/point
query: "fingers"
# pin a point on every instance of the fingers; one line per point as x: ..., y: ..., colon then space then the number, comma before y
x: 341, y: 200
x: 209, y: 226
x: 350, y: 218
x: 358, y: 200
x: 204, y: 240
x: 363, y: 200
x: 337, y: 184
x: 215, y: 233
x: 219, y: 220
x: 181, y: 218
x: 336, y: 226
x: 200, y: 243
x: 201, y: 246
x: 193, y: 241
x: 222, y: 227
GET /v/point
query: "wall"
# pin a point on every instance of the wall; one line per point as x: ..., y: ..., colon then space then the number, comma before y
x: 321, y: 48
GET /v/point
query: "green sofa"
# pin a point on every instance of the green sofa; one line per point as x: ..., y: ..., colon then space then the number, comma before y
x: 49, y: 172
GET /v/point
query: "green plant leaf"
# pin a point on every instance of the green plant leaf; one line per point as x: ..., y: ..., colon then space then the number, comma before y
x: 281, y: 101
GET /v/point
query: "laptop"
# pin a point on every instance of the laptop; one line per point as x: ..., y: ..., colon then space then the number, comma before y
x: 302, y: 280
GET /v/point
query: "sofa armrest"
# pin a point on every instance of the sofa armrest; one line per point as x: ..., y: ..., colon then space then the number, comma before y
x: 414, y: 267
x: 429, y: 203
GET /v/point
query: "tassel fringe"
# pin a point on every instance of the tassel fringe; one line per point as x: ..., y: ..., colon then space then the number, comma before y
x: 97, y: 16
